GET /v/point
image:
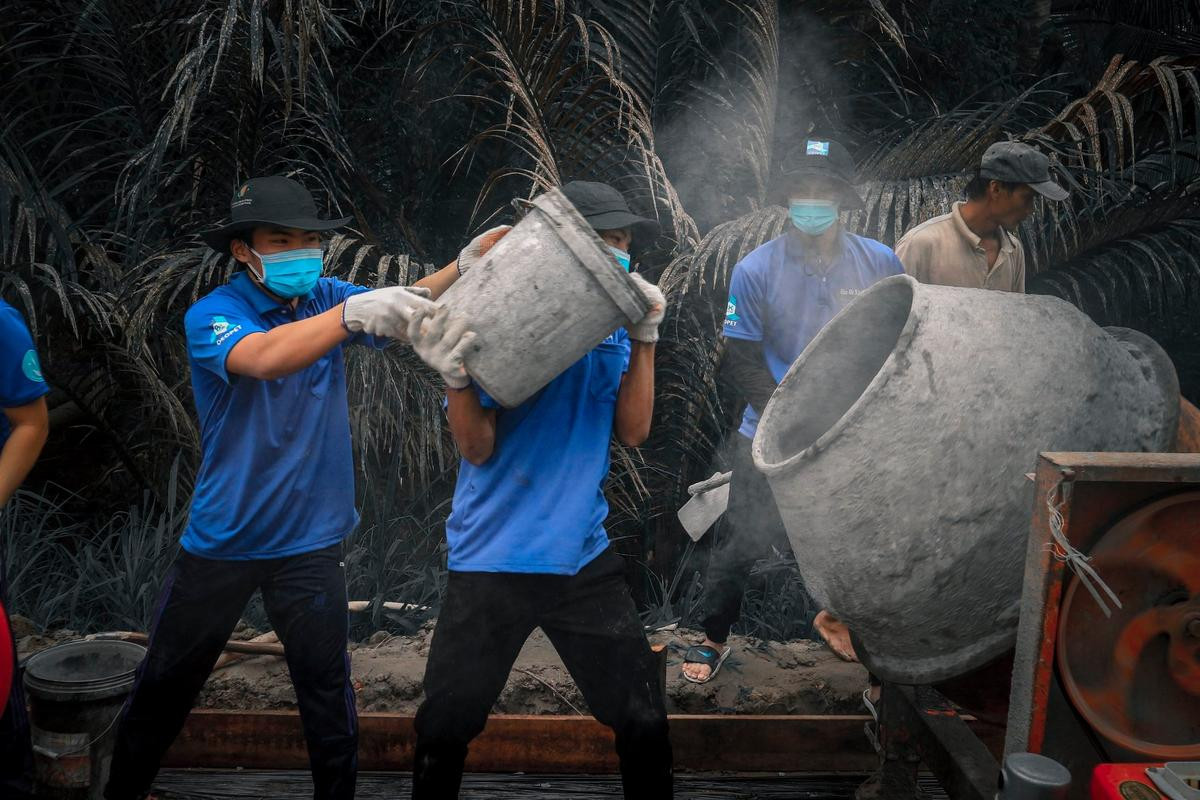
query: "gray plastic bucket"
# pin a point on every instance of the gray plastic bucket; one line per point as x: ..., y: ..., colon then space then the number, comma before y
x: 897, y: 446
x: 76, y: 692
x: 545, y: 295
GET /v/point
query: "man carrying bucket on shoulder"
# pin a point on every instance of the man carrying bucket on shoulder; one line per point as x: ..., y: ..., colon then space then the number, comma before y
x: 780, y: 297
x: 528, y: 546
x: 274, y: 495
x: 24, y: 426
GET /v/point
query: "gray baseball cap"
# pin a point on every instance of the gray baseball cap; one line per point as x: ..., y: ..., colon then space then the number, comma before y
x: 1015, y: 162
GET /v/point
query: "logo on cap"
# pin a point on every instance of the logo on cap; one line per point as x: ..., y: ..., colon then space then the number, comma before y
x: 242, y: 194
x: 816, y: 148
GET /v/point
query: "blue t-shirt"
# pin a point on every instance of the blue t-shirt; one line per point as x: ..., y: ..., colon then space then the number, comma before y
x: 781, y: 298
x: 21, y: 380
x: 276, y: 473
x: 537, y: 505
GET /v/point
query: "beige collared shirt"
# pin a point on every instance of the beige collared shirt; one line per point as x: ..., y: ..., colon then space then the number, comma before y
x: 945, y: 252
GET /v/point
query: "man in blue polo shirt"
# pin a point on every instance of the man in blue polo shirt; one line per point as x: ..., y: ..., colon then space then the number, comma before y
x: 780, y: 297
x: 528, y: 546
x: 274, y: 495
x: 24, y: 426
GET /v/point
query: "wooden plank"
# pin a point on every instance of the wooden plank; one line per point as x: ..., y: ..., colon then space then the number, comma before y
x: 541, y: 743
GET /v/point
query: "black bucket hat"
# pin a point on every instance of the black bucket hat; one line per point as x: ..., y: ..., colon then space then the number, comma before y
x: 272, y: 200
x: 605, y: 209
x: 822, y: 158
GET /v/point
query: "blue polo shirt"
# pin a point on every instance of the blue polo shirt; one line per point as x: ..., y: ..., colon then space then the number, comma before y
x: 782, y: 296
x: 276, y: 473
x: 537, y: 505
x: 21, y: 380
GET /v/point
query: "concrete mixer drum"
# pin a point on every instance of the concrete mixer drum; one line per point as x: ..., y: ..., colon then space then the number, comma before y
x: 897, y: 447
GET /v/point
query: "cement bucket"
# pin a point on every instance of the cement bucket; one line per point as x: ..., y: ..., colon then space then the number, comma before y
x: 897, y: 445
x: 541, y: 298
x: 76, y: 693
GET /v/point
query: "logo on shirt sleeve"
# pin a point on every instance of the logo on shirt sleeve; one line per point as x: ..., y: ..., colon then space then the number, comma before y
x: 32, y: 367
x: 221, y: 330
x: 731, y: 315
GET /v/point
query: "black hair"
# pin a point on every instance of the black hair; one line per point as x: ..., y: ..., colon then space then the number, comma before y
x: 246, y: 234
x: 978, y: 186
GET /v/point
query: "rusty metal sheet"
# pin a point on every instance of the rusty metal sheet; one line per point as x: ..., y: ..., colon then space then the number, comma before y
x: 544, y: 743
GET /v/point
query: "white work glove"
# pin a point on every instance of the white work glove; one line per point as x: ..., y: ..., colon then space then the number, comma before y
x: 442, y: 341
x: 475, y: 249
x: 386, y: 311
x: 646, y: 329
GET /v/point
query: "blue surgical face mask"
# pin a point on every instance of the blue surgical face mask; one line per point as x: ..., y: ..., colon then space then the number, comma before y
x: 621, y: 256
x: 291, y: 273
x: 813, y: 217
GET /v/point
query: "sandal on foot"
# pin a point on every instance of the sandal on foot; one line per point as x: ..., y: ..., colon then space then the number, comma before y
x: 703, y: 654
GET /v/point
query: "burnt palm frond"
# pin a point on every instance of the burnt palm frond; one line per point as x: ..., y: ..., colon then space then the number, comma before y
x: 1101, y: 130
x: 559, y: 109
x: 705, y: 271
x: 1149, y: 281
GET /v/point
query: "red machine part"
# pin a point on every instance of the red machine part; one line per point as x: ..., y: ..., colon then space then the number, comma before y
x: 1135, y: 676
x: 7, y: 659
x: 1123, y: 782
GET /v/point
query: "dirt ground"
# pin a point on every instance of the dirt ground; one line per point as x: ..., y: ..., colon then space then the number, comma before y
x: 759, y: 677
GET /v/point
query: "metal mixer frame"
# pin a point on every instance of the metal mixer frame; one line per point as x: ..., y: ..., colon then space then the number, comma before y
x: 919, y: 725
x: 1104, y: 487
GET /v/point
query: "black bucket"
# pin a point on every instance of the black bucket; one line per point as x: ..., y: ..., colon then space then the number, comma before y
x: 76, y: 692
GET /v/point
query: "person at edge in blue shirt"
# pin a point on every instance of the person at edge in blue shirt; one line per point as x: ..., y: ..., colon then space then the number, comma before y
x: 780, y: 296
x: 274, y: 495
x: 528, y: 546
x: 23, y: 430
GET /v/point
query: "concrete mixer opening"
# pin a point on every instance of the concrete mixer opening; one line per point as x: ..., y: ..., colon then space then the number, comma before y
x: 836, y: 371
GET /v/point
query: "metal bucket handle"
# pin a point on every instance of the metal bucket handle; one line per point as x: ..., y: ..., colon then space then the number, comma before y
x: 45, y: 751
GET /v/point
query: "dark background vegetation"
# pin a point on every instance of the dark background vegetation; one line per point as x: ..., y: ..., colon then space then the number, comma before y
x: 126, y: 124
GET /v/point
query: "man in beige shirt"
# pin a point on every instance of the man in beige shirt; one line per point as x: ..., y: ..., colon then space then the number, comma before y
x: 974, y: 245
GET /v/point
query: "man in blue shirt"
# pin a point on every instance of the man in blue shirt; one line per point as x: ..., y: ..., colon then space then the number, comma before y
x: 24, y: 426
x: 780, y: 297
x: 528, y: 546
x: 274, y: 496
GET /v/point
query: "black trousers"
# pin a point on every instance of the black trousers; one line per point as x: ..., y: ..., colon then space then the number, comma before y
x: 752, y: 526
x: 16, y: 753
x: 592, y: 622
x: 201, y: 602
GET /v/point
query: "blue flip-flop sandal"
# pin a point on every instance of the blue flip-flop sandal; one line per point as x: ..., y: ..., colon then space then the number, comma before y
x: 703, y: 654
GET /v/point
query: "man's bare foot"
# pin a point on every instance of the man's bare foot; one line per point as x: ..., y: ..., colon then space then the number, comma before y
x: 836, y: 635
x: 700, y: 672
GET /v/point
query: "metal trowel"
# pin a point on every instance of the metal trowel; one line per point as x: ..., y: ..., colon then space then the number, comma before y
x: 709, y: 499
